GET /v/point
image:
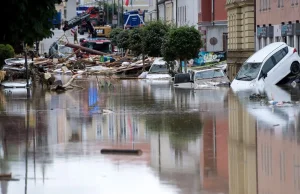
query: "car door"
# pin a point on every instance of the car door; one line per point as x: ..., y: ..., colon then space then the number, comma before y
x: 279, y: 70
x: 272, y: 70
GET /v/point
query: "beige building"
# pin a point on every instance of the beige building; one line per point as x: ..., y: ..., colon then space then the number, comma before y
x: 240, y: 17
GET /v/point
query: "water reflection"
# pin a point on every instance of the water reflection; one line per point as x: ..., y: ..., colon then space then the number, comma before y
x: 264, y: 141
x: 66, y: 133
x: 193, y: 141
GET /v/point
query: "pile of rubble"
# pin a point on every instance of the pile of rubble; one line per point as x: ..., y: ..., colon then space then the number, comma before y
x: 43, y: 69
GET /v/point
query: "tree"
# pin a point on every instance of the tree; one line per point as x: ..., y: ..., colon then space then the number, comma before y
x: 114, y: 34
x: 154, y: 36
x: 136, y: 41
x: 27, y: 21
x: 123, y: 39
x: 6, y: 51
x: 182, y: 43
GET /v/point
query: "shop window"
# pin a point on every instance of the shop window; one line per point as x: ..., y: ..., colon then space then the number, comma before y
x: 291, y: 41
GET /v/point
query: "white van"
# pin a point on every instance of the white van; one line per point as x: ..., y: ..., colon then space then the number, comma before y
x: 275, y: 64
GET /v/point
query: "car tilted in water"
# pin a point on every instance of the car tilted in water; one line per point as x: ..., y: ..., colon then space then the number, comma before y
x: 206, y: 78
x: 275, y: 64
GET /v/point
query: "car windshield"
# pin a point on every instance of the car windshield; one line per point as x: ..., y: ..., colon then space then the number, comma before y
x: 215, y: 73
x: 155, y: 68
x: 105, y: 47
x: 65, y: 50
x: 248, y: 71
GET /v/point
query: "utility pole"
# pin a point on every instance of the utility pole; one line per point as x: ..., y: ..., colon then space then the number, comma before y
x: 113, y: 12
x: 122, y: 14
x: 107, y: 12
x: 157, y: 15
x: 118, y: 13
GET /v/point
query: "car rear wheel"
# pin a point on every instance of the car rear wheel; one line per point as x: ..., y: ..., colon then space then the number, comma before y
x: 295, y: 68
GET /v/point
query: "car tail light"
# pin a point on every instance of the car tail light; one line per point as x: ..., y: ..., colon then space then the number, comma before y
x: 295, y: 50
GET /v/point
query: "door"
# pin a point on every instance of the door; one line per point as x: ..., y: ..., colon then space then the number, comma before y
x: 275, y: 68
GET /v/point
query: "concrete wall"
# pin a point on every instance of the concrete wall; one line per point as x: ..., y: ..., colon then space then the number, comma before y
x: 217, y: 32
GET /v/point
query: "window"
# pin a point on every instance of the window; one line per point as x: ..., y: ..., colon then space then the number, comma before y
x: 279, y: 55
x: 269, y: 64
x: 248, y: 71
x: 291, y: 42
x: 209, y: 74
x: 280, y: 3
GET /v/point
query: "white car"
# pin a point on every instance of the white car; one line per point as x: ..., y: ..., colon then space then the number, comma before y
x: 275, y: 64
x: 205, y: 78
x: 160, y: 70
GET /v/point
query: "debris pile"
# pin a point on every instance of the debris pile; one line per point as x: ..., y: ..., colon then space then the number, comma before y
x: 81, y: 61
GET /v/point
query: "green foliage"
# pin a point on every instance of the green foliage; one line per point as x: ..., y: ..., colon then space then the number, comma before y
x: 123, y: 39
x: 180, y: 126
x: 114, y: 34
x: 27, y: 20
x: 154, y: 36
x: 136, y: 41
x: 183, y: 43
x: 6, y: 51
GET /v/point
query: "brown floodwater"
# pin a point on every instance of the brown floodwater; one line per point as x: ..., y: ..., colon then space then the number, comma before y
x: 192, y: 141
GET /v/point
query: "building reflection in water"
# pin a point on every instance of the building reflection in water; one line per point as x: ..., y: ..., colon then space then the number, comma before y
x: 241, y: 149
x: 268, y: 161
x: 195, y: 141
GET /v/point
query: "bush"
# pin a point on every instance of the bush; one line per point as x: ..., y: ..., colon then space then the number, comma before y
x: 6, y: 51
x: 114, y: 34
x: 123, y: 39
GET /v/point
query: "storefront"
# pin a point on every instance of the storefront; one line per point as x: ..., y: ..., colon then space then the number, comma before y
x: 262, y: 36
x: 287, y: 33
x: 270, y: 34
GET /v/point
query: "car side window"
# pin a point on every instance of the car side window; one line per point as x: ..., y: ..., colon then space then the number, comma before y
x: 279, y: 55
x: 269, y: 64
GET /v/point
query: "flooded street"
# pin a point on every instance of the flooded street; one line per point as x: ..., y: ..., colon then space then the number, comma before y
x: 192, y: 141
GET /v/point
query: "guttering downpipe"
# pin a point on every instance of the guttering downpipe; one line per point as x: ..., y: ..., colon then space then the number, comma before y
x: 157, y: 14
x: 213, y: 11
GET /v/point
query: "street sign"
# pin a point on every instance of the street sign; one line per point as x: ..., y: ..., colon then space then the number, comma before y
x: 115, y: 17
x: 115, y: 21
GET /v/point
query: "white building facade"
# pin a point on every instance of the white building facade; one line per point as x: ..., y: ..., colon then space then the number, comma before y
x: 180, y: 14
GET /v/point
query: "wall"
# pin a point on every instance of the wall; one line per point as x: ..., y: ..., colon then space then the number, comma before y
x: 272, y: 14
x: 170, y: 12
x: 220, y: 10
x: 217, y: 32
x: 161, y: 12
x: 187, y: 12
x: 71, y: 9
